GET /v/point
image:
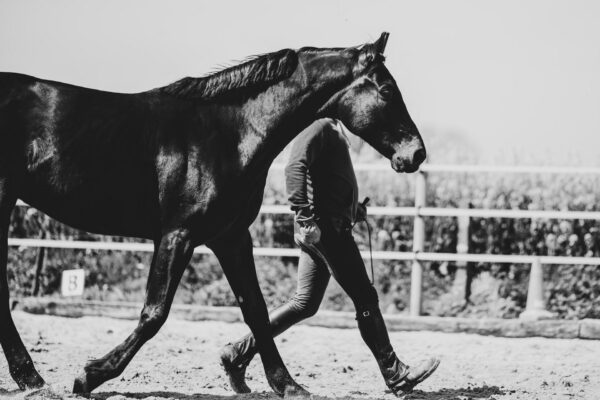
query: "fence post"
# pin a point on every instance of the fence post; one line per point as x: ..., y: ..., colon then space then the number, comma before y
x: 462, y: 275
x: 40, y: 263
x: 536, y: 305
x: 416, y: 278
x: 462, y: 245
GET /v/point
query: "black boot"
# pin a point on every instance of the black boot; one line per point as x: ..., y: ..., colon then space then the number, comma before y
x: 235, y: 357
x: 399, y: 377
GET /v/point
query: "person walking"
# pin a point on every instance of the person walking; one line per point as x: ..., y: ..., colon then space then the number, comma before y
x: 323, y: 193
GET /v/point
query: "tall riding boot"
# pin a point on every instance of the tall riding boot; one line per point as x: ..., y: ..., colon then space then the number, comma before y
x: 398, y: 376
x: 235, y: 357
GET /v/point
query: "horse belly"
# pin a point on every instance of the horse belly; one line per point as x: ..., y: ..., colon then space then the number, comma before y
x: 110, y: 208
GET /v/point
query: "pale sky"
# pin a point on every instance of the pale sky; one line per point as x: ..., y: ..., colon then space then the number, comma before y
x: 506, y: 76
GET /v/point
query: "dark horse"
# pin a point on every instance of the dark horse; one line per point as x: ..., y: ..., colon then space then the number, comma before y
x: 183, y: 165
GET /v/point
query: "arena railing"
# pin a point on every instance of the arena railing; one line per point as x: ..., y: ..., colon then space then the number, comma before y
x: 535, y: 308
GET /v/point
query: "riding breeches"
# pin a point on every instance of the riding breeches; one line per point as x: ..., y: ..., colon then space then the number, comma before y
x: 347, y: 267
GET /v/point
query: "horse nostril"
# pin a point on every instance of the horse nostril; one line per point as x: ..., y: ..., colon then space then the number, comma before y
x: 419, y: 156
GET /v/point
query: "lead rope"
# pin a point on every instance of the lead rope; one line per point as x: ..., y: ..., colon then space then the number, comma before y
x: 370, y: 253
x: 364, y: 203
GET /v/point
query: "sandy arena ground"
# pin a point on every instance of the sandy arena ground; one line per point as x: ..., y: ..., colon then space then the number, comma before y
x: 181, y: 363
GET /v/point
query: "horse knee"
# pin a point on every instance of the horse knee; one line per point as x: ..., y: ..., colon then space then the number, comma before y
x: 151, y: 321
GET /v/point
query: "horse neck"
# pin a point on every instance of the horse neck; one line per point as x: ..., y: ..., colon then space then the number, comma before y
x: 281, y: 112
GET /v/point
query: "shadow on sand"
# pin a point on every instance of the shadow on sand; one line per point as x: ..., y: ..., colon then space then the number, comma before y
x: 482, y: 392
x: 472, y: 392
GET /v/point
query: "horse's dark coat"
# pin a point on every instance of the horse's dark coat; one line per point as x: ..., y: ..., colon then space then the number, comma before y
x: 182, y: 165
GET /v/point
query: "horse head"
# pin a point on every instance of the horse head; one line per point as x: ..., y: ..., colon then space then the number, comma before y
x: 371, y: 106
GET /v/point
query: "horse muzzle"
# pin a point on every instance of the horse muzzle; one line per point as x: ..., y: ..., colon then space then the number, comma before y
x: 408, y: 160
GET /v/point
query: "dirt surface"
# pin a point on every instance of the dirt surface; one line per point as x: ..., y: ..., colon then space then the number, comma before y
x: 181, y: 362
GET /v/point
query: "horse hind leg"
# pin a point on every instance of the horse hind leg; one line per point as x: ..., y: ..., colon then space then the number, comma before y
x: 172, y: 254
x: 19, y: 361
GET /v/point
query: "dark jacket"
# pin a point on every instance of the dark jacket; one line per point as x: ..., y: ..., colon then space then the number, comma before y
x: 320, y: 179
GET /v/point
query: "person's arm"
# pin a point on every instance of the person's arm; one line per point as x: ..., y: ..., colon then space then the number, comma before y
x: 309, y: 145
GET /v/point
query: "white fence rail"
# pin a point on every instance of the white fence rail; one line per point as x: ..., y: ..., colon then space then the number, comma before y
x: 288, y: 252
x: 534, y: 305
x: 512, y: 169
x: 458, y: 212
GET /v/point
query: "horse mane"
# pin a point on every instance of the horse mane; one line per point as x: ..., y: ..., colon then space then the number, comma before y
x: 254, y: 74
x: 308, y: 49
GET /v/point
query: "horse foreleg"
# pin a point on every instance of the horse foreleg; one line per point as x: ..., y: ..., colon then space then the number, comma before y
x: 20, y: 364
x: 235, y: 255
x: 171, y: 256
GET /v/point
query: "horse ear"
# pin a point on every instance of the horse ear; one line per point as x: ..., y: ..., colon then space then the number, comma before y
x: 371, y: 51
x: 381, y: 42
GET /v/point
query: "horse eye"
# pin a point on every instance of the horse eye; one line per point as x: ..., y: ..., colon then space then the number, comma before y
x: 386, y: 92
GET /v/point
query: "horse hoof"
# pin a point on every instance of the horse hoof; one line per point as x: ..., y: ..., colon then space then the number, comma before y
x: 296, y: 392
x: 32, y: 380
x: 80, y: 386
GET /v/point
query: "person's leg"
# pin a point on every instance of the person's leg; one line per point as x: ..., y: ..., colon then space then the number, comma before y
x: 349, y: 270
x: 234, y: 251
x: 313, y: 278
